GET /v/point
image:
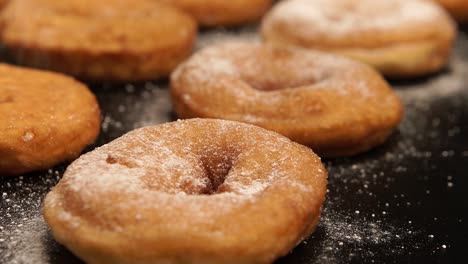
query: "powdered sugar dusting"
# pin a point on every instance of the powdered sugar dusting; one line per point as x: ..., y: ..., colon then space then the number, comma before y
x: 261, y: 67
x: 343, y: 230
x: 213, y: 65
x: 176, y: 167
x: 252, y: 62
x: 346, y: 17
x: 25, y: 247
x: 262, y: 84
x: 24, y: 235
x: 445, y: 85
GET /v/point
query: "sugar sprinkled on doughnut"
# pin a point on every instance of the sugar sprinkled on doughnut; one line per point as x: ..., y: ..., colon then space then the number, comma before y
x: 315, y: 98
x: 337, y: 19
x: 208, y: 181
x: 400, y: 38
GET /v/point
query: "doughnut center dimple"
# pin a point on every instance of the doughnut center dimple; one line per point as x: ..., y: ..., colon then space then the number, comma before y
x: 278, y: 69
x: 217, y: 167
x: 270, y: 78
x: 280, y: 83
x: 179, y: 174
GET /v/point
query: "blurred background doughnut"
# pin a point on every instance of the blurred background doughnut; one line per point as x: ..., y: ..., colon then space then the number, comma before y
x: 117, y: 40
x: 400, y: 38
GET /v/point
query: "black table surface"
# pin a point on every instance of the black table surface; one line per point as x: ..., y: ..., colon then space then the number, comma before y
x: 405, y: 201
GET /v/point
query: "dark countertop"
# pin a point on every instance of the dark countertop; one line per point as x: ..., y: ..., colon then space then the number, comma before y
x: 406, y: 201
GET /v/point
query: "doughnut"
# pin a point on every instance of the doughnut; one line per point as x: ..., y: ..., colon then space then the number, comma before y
x: 336, y: 106
x: 191, y: 191
x: 115, y: 40
x: 46, y: 118
x: 400, y: 38
x: 457, y: 8
x: 222, y: 12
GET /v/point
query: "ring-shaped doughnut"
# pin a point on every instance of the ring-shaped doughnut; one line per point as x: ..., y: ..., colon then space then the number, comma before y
x: 192, y: 191
x: 332, y: 104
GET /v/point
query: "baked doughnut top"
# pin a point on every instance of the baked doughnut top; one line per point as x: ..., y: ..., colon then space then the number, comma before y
x: 189, y: 191
x: 104, y: 26
x: 360, y: 24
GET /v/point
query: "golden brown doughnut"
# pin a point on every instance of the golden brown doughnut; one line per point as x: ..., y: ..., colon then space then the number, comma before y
x: 222, y: 12
x: 332, y: 104
x: 116, y: 40
x: 192, y: 191
x: 457, y: 8
x: 46, y: 118
x: 400, y: 38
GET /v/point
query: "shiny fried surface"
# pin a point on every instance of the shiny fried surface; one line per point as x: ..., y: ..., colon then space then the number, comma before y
x: 46, y: 118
